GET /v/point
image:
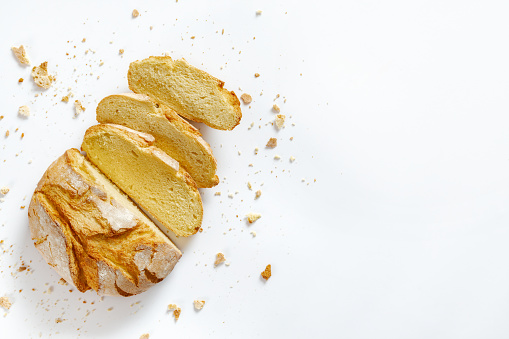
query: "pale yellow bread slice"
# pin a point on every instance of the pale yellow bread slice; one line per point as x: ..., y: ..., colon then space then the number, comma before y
x: 172, y: 134
x: 192, y: 93
x: 148, y: 175
x: 92, y: 234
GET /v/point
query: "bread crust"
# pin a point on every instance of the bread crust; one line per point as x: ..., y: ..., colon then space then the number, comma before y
x: 90, y: 238
x: 139, y: 83
x: 181, y: 141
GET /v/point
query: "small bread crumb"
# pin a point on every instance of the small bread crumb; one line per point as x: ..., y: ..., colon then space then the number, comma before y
x: 258, y: 12
x: 78, y: 108
x: 65, y: 98
x: 246, y: 98
x: 252, y: 217
x: 257, y: 75
x: 5, y: 303
x: 21, y: 55
x: 249, y: 185
x: 276, y: 108
x: 258, y: 194
x: 135, y: 13
x: 176, y: 310
x: 253, y: 233
x: 272, y: 143
x: 7, y: 133
x: 267, y: 273
x: 121, y: 51
x: 41, y: 76
x: 217, y: 193
x: 24, y: 111
x: 280, y: 121
x: 198, y: 304
x: 277, y: 157
x: 145, y: 336
x: 219, y: 259
x: 292, y: 158
x: 20, y: 80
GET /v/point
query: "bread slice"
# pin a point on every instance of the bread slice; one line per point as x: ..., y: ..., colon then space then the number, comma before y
x: 148, y: 175
x: 92, y: 234
x: 192, y: 93
x: 172, y: 134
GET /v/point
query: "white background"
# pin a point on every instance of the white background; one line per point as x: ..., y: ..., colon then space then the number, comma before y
x: 401, y: 115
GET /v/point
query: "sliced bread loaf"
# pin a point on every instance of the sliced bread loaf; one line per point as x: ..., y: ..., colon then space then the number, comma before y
x: 192, y: 93
x: 172, y: 134
x: 92, y: 234
x: 148, y: 175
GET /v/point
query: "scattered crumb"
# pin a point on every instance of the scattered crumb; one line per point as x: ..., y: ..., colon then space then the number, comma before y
x: 249, y: 185
x: 193, y: 37
x: 176, y: 311
x: 276, y: 108
x: 21, y: 55
x: 253, y: 233
x: 252, y: 217
x: 65, y: 98
x: 7, y: 133
x: 84, y: 39
x: 5, y: 303
x: 219, y: 259
x: 267, y: 273
x: 20, y: 80
x: 230, y: 195
x: 246, y: 98
x: 272, y: 143
x: 145, y: 336
x: 258, y: 194
x: 280, y: 121
x: 292, y: 158
x: 135, y: 13
x: 258, y: 12
x: 78, y: 108
x: 256, y: 150
x: 58, y: 320
x: 257, y: 75
x: 41, y: 76
x: 198, y: 304
x: 277, y: 157
x: 62, y: 282
x: 24, y: 111
x: 121, y: 51
x: 217, y: 193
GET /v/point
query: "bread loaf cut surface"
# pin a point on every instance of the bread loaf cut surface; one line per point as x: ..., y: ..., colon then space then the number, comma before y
x: 148, y: 175
x: 93, y: 235
x: 172, y: 134
x: 192, y: 93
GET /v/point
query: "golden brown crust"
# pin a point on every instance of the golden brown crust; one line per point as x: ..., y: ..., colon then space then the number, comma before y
x: 90, y: 235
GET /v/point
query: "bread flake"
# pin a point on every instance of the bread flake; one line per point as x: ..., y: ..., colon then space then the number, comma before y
x: 267, y: 273
x: 41, y: 76
x: 198, y: 304
x: 219, y: 259
x: 252, y: 217
x: 78, y: 108
x: 21, y: 55
x: 272, y: 143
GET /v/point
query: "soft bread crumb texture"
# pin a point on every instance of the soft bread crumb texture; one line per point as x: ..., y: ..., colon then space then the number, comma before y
x: 267, y: 273
x: 5, y: 303
x: 272, y: 143
x: 24, y: 111
x: 252, y: 217
x: 93, y: 235
x: 41, y: 76
x: 148, y: 175
x: 246, y: 98
x: 21, y: 55
x: 172, y: 134
x: 219, y: 259
x: 192, y: 93
x: 198, y: 304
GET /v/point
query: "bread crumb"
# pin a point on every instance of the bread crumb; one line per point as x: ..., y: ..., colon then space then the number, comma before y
x: 276, y: 108
x: 253, y: 233
x: 62, y: 282
x: 176, y: 310
x: 249, y: 185
x: 258, y: 194
x: 246, y: 98
x: 7, y: 133
x: 84, y: 39
x: 252, y: 217
x: 21, y: 55
x: 256, y: 150
x: 145, y: 336
x: 121, y: 51
x: 135, y: 13
x: 78, y: 108
x: 65, y: 98
x: 24, y: 111
x: 258, y: 12
x: 20, y: 80
x: 267, y: 273
x: 272, y: 143
x: 277, y: 157
x: 198, y: 304
x: 280, y: 121
x: 217, y: 193
x: 41, y: 76
x: 292, y: 158
x: 257, y: 75
x: 230, y: 195
x: 58, y: 320
x: 5, y: 303
x: 219, y: 259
